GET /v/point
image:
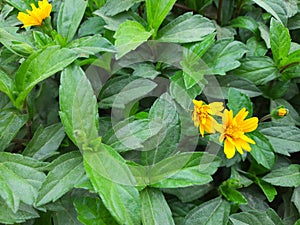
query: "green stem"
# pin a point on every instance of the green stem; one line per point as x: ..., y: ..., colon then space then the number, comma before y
x: 219, y: 15
x: 287, y: 66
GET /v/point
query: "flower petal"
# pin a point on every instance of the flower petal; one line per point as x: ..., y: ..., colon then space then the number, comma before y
x: 229, y: 149
x: 242, y: 114
x: 247, y: 139
x: 249, y: 124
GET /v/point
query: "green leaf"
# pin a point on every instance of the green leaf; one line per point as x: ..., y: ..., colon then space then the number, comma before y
x: 39, y: 66
x: 262, y: 151
x: 246, y: 22
x: 25, y: 212
x: 237, y: 100
x: 91, y: 211
x: 186, y: 28
x: 259, y: 70
x: 284, y: 139
x: 11, y: 121
x: 157, y: 10
x: 78, y: 104
x: 20, y: 182
x: 113, y: 7
x: 6, y: 85
x: 62, y: 178
x: 256, y: 217
x: 155, y: 209
x: 129, y: 36
x: 232, y: 195
x: 93, y: 25
x: 255, y: 47
x: 223, y: 56
x: 296, y: 198
x: 215, y: 211
x: 45, y: 142
x: 21, y: 5
x: 69, y: 17
x: 113, y: 181
x: 269, y: 191
x: 119, y: 91
x: 144, y: 70
x: 275, y: 8
x: 91, y: 45
x: 285, y: 176
x: 280, y: 41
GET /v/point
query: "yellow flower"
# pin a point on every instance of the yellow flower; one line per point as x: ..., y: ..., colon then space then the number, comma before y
x: 282, y: 112
x: 233, y: 131
x: 37, y: 15
x: 202, y: 116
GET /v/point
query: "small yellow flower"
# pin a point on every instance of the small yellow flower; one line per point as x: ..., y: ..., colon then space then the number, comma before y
x: 233, y: 131
x: 37, y: 15
x: 282, y: 112
x: 202, y: 116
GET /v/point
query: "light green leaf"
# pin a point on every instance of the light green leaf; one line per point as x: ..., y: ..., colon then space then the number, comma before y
x: 157, y: 10
x: 155, y: 209
x: 256, y: 217
x: 245, y: 22
x: 6, y: 85
x: 91, y: 45
x: 284, y: 139
x: 45, y: 142
x: 78, y: 104
x: 275, y: 8
x: 262, y: 151
x: 186, y: 28
x: 64, y: 176
x: 280, y: 41
x: 215, y: 211
x: 232, y: 195
x: 256, y: 47
x: 144, y: 70
x: 113, y: 7
x: 259, y: 70
x: 11, y: 121
x: 113, y: 181
x: 269, y: 191
x: 285, y: 176
x: 39, y: 66
x: 91, y: 211
x: 69, y: 17
x: 223, y: 56
x: 237, y: 100
x: 129, y: 36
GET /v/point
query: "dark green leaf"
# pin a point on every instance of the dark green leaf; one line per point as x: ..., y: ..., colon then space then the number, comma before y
x: 21, y: 5
x: 45, y: 142
x: 69, y: 17
x: 245, y: 22
x: 215, y: 211
x: 6, y: 85
x: 255, y: 47
x: 186, y: 28
x: 113, y: 7
x: 267, y: 188
x: 237, y: 100
x: 155, y: 209
x: 232, y: 195
x: 296, y: 198
x: 11, y: 121
x: 284, y: 177
x: 64, y: 176
x: 129, y: 36
x: 262, y: 151
x: 78, y: 104
x: 91, y: 211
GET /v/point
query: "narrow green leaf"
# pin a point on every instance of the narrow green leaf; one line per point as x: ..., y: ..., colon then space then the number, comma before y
x: 262, y: 151
x: 91, y: 211
x: 232, y: 195
x: 215, y: 211
x: 259, y: 70
x: 129, y: 36
x: 6, y: 85
x: 186, y: 28
x: 113, y: 7
x: 157, y: 10
x: 285, y: 176
x: 61, y: 179
x: 39, y: 66
x: 113, y: 181
x: 155, y: 209
x: 69, y: 17
x: 11, y: 121
x: 237, y: 100
x: 296, y: 198
x: 78, y: 104
x: 275, y: 8
x: 45, y: 142
x: 280, y: 41
x: 267, y: 188
x: 246, y: 22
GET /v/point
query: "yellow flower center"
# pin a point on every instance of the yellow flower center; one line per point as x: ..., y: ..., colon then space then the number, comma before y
x: 282, y: 112
x: 233, y: 131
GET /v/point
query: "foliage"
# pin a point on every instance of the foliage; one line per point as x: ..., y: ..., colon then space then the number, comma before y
x: 96, y: 121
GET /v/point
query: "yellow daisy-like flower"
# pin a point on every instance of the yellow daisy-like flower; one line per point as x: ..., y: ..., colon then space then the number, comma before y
x: 37, y: 15
x: 282, y: 112
x: 202, y: 116
x: 233, y: 131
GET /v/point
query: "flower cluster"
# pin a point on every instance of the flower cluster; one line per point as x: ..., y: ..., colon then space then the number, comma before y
x: 232, y: 129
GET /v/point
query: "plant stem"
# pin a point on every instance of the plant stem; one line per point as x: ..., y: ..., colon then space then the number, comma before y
x: 288, y: 65
x: 185, y: 7
x: 219, y: 15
